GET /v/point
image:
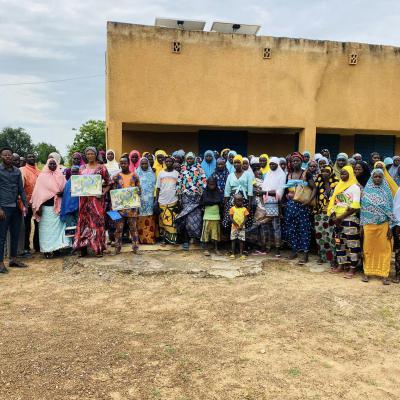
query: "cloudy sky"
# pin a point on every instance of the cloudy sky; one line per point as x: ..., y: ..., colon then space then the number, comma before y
x: 51, y: 40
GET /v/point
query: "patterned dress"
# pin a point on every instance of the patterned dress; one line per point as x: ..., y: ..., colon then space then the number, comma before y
x: 324, y: 226
x: 190, y: 185
x: 129, y: 216
x: 90, y: 231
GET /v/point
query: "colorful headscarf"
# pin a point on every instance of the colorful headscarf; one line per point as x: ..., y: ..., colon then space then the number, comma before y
x: 48, y: 184
x: 295, y: 154
x: 336, y: 168
x: 147, y: 184
x: 323, y: 196
x: 304, y: 165
x: 230, y: 166
x: 79, y: 155
x: 377, y: 202
x: 392, y: 184
x: 266, y: 168
x: 239, y: 158
x: 157, y: 166
x: 249, y: 169
x: 209, y: 167
x: 342, y: 186
x: 393, y: 169
x: 134, y: 166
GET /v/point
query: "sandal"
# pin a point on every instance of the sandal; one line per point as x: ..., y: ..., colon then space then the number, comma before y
x: 365, y: 279
x: 232, y: 257
x: 206, y: 253
x: 386, y: 281
x: 243, y: 258
x: 17, y: 264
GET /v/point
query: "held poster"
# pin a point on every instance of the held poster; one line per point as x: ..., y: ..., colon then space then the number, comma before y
x: 86, y: 185
x: 125, y: 199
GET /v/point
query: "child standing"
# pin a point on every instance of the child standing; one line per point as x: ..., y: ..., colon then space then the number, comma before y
x: 125, y: 179
x: 238, y: 215
x: 211, y: 201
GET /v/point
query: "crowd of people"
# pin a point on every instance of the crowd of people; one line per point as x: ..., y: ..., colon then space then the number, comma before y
x: 347, y: 210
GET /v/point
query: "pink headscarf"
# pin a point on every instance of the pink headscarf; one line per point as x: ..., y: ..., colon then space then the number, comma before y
x: 134, y: 166
x: 48, y: 184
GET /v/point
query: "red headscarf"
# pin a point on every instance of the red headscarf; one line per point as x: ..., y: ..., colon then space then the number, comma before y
x: 296, y: 154
x: 134, y: 166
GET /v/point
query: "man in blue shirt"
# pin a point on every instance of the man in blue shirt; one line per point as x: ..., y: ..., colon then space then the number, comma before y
x: 11, y: 188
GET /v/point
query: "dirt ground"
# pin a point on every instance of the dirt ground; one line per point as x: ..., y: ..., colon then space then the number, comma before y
x: 170, y: 325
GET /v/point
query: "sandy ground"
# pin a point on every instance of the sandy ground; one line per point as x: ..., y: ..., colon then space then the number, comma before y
x: 169, y: 325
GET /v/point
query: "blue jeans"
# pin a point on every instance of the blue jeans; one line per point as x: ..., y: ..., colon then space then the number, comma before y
x: 12, y: 221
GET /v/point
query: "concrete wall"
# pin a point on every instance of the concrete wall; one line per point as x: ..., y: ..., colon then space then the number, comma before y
x: 221, y: 80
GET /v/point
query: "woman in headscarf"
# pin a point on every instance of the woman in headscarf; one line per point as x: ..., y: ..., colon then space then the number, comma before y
x: 209, y: 163
x: 362, y: 173
x: 326, y: 153
x: 357, y: 157
x: 322, y: 162
x: 392, y: 184
x: 191, y: 183
x: 56, y: 156
x: 264, y: 163
x: 224, y: 154
x: 273, y: 187
x: 229, y: 163
x: 297, y: 215
x: 306, y: 159
x: 341, y: 161
x: 221, y: 174
x: 247, y: 168
x: 46, y: 206
x: 377, y: 218
x: 77, y: 160
x: 313, y: 169
x: 283, y: 164
x: 373, y: 159
x: 90, y: 231
x: 70, y: 207
x: 324, y: 226
x: 112, y: 164
x: 147, y: 220
x: 151, y: 159
x: 396, y: 236
x: 179, y: 156
x: 393, y: 170
x: 134, y: 160
x: 159, y: 164
x: 342, y: 208
x: 238, y: 182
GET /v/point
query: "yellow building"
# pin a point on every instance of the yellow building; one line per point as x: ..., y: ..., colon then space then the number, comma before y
x: 170, y: 89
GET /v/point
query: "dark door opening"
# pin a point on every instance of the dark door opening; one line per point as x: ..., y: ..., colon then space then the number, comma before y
x: 366, y: 144
x: 328, y: 141
x: 219, y: 140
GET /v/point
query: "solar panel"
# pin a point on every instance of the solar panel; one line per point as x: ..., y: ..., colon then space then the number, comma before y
x: 185, y: 25
x: 228, y: 27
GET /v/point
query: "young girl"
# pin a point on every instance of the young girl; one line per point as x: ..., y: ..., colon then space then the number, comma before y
x: 238, y: 215
x: 211, y: 201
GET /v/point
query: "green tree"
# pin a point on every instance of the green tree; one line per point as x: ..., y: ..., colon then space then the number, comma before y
x: 18, y: 139
x: 42, y: 151
x: 91, y: 133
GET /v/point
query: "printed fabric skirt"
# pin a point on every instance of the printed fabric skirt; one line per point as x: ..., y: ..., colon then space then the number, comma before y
x: 211, y: 231
x: 324, y: 236
x: 191, y: 216
x: 52, y: 231
x: 167, y: 223
x: 377, y: 250
x: 90, y: 231
x: 348, y: 244
x: 298, y: 226
x: 147, y: 229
